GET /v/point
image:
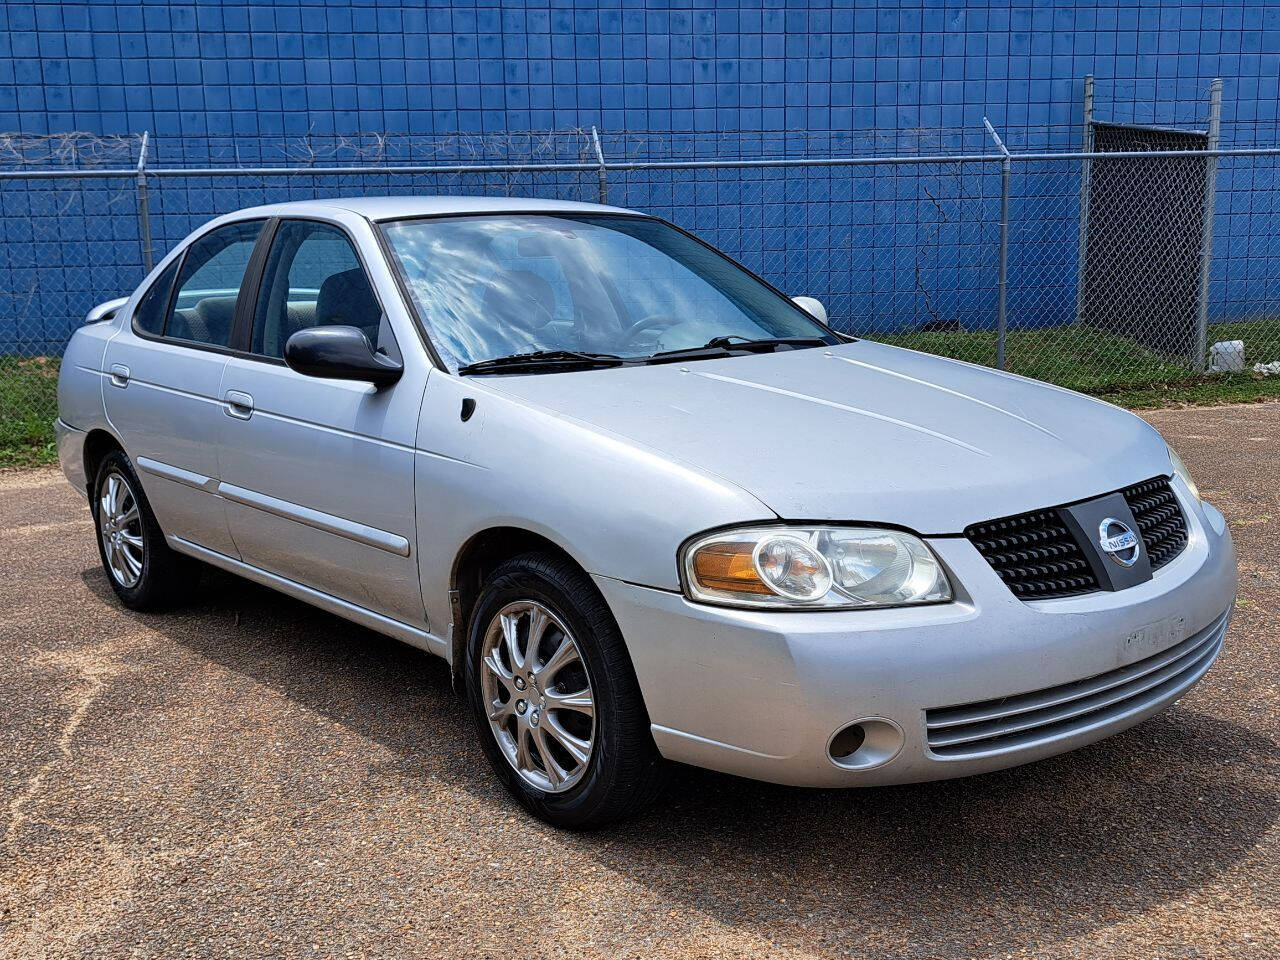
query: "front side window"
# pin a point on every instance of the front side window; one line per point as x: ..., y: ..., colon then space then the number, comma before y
x: 204, y: 308
x: 493, y: 286
x: 150, y: 314
x: 312, y: 278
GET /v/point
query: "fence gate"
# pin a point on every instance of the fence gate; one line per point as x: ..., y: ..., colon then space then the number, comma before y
x: 1144, y: 238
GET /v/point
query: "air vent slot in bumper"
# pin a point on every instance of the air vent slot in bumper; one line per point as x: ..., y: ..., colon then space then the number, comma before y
x: 1030, y: 719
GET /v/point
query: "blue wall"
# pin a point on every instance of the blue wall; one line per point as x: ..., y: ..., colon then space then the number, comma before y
x: 294, y: 67
x: 889, y: 248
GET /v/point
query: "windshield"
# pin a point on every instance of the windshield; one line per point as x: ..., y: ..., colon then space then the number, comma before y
x: 496, y: 286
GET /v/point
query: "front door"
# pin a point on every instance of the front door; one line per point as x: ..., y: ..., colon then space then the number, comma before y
x: 163, y: 373
x: 317, y: 474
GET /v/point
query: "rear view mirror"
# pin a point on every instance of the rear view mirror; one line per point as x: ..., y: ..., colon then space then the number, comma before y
x: 532, y: 247
x: 340, y: 353
x: 811, y: 306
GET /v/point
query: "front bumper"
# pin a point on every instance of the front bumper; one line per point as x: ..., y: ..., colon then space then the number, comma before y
x: 761, y: 694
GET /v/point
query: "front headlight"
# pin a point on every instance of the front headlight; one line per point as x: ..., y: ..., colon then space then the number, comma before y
x: 1180, y: 471
x: 813, y: 568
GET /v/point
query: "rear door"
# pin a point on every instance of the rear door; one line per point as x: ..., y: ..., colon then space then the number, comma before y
x: 163, y: 374
x: 317, y: 474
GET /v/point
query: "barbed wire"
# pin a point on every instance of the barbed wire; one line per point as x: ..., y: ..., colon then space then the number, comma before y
x: 67, y: 150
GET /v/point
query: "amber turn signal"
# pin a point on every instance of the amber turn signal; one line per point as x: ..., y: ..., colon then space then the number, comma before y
x: 728, y: 566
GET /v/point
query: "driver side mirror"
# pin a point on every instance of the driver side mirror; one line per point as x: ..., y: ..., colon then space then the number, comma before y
x: 811, y: 306
x: 340, y: 353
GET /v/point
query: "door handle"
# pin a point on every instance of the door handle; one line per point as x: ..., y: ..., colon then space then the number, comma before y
x: 119, y: 375
x: 239, y: 404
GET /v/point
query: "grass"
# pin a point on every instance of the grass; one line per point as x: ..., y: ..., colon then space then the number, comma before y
x: 1222, y: 388
x: 1086, y: 358
x: 1094, y: 361
x: 1113, y: 367
x: 28, y: 406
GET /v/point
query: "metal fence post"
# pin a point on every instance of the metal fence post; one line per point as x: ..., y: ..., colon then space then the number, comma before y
x: 1002, y: 313
x: 1086, y: 168
x: 604, y: 171
x: 144, y: 206
x: 1200, y: 359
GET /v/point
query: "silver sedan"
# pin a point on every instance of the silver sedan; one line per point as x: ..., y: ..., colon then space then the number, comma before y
x: 648, y: 507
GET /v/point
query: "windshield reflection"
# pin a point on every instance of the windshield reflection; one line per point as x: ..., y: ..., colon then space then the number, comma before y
x: 494, y: 286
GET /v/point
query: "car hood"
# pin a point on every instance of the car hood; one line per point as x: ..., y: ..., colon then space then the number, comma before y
x: 865, y: 432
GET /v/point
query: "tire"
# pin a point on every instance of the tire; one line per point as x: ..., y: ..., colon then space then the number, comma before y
x: 141, y: 568
x: 623, y: 772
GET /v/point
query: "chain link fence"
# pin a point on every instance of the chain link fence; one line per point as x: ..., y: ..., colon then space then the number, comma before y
x: 1102, y: 270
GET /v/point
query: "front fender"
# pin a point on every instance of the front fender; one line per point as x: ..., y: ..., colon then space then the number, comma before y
x: 620, y: 509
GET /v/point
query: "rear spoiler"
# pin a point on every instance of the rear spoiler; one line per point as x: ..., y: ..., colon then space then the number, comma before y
x: 105, y: 311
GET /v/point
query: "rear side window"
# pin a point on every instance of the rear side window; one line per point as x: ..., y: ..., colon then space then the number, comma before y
x: 204, y: 307
x: 149, y: 317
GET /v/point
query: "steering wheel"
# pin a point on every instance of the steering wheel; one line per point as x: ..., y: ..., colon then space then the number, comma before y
x: 656, y: 321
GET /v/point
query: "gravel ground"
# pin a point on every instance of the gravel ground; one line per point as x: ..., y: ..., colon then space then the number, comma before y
x: 254, y: 778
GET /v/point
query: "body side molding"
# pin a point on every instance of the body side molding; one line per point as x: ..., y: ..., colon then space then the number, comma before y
x: 169, y: 472
x: 359, y: 532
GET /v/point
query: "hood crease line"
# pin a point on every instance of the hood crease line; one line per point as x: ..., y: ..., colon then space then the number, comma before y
x: 955, y: 393
x: 857, y: 411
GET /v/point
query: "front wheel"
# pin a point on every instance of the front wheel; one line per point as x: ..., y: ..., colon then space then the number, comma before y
x: 555, y: 698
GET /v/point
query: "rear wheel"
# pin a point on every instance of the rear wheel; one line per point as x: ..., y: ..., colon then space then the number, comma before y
x: 555, y: 699
x: 141, y: 568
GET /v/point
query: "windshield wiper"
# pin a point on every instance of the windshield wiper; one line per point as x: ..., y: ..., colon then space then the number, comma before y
x: 765, y: 344
x: 544, y: 360
x: 734, y: 345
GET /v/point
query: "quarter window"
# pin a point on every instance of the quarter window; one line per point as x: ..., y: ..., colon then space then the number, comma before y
x: 149, y: 316
x: 312, y: 278
x: 204, y: 309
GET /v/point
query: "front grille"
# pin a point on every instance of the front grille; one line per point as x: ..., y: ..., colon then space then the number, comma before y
x: 1164, y: 528
x: 1038, y: 557
x: 1042, y: 716
x: 1035, y: 555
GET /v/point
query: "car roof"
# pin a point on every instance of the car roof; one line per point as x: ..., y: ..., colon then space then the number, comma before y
x: 392, y: 208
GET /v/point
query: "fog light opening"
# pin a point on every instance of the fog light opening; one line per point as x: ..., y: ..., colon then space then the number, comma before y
x: 865, y: 744
x: 846, y: 743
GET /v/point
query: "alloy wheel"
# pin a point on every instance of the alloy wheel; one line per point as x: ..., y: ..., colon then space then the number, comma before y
x: 120, y: 527
x: 538, y: 696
